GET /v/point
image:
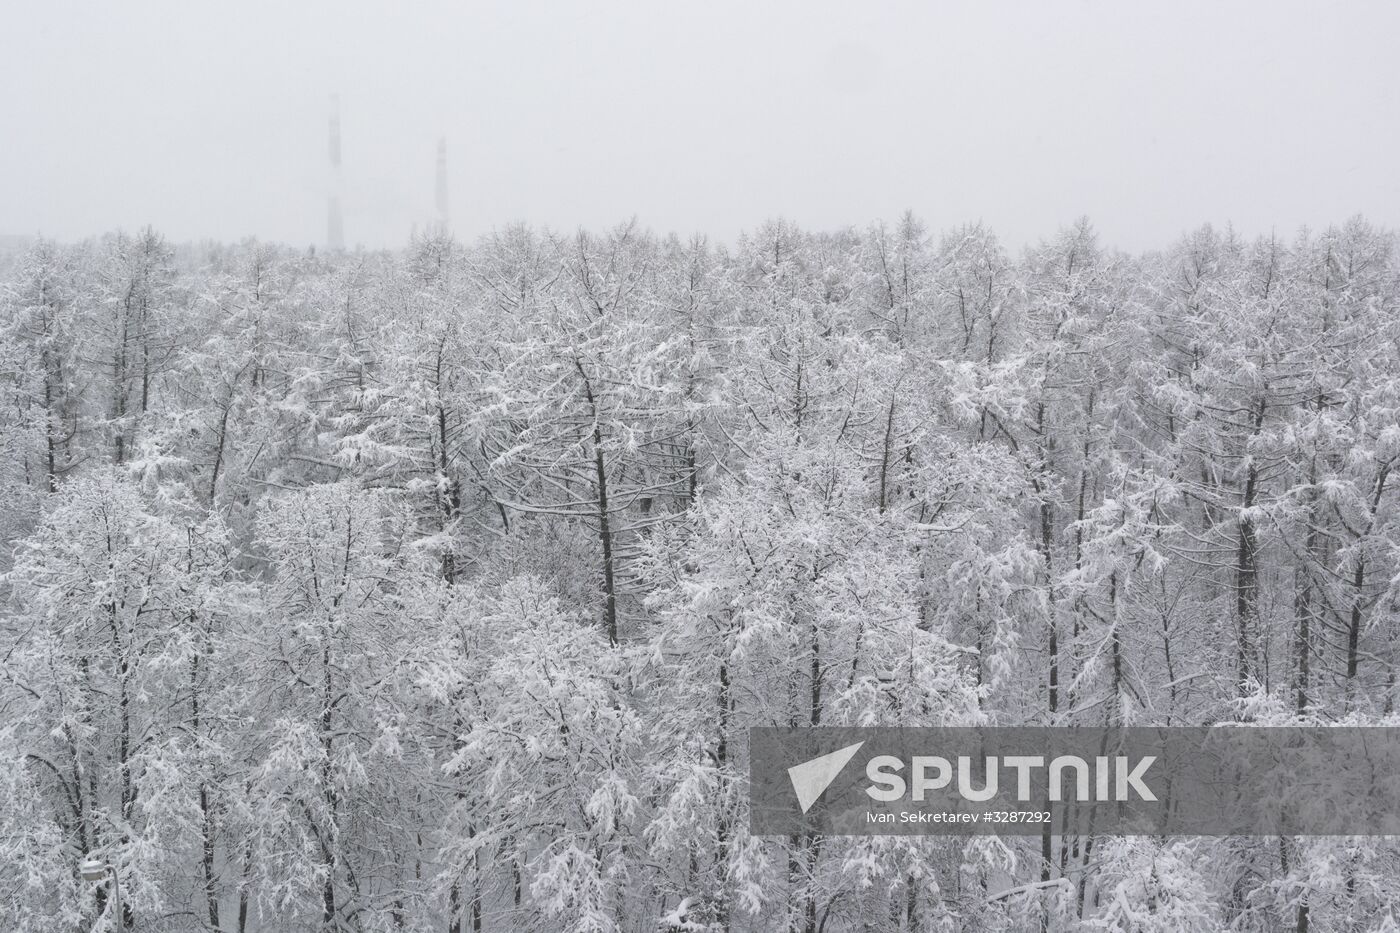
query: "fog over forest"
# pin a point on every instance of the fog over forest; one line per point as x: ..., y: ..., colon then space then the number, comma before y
x: 209, y: 120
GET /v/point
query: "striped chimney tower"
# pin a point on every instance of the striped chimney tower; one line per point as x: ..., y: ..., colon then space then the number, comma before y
x: 443, y: 218
x: 335, y: 224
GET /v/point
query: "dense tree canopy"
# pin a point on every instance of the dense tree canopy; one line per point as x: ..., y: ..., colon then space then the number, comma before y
x: 437, y: 590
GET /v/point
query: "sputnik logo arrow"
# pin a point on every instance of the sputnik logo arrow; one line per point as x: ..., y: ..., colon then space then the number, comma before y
x: 811, y: 778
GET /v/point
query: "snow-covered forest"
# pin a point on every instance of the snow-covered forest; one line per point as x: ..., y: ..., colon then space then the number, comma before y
x: 436, y: 590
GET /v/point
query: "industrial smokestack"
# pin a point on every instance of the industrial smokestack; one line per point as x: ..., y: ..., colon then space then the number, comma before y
x: 442, y: 213
x: 335, y: 224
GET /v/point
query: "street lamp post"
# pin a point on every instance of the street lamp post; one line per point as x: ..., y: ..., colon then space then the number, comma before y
x: 92, y: 869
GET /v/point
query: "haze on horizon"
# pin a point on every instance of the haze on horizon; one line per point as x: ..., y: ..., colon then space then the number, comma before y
x: 1151, y: 118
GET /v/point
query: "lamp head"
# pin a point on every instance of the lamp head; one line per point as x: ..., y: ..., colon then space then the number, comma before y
x: 92, y: 869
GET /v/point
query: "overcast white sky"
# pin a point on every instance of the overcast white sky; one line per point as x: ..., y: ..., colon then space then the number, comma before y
x: 209, y: 120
